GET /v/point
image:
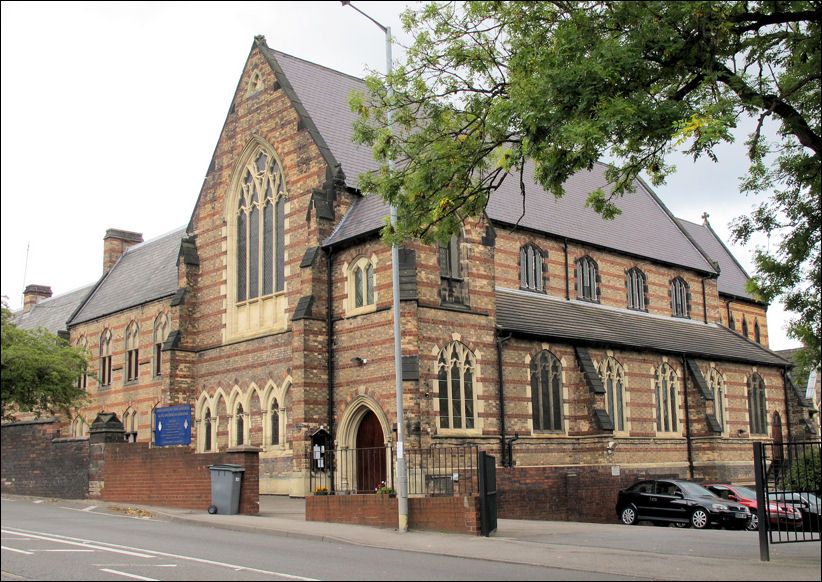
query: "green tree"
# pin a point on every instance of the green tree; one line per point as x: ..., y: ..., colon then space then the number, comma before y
x: 488, y: 86
x: 39, y: 371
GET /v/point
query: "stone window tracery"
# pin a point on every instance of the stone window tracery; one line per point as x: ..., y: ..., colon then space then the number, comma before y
x: 546, y: 392
x: 455, y: 382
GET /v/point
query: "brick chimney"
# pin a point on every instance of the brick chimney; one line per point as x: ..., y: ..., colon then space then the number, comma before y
x: 33, y: 295
x: 115, y: 244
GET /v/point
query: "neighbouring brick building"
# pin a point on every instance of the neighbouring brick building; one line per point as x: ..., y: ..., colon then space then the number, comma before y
x: 270, y: 313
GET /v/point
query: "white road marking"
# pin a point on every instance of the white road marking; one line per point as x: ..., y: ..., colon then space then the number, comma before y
x: 16, y: 550
x: 84, y: 543
x: 89, y: 508
x: 128, y: 550
x: 126, y: 574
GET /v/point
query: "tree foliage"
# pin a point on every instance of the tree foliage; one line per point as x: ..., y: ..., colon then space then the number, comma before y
x: 487, y: 87
x: 39, y: 371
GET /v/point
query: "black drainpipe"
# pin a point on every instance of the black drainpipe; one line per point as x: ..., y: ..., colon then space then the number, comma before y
x: 501, y: 398
x: 688, y: 421
x: 567, y: 273
x: 330, y: 352
x: 787, y: 405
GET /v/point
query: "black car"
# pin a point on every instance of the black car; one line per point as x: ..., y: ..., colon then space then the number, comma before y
x: 664, y: 501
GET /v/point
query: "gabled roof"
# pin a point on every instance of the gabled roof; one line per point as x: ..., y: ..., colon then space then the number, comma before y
x: 53, y: 313
x: 732, y: 277
x: 144, y: 273
x: 644, y: 229
x: 542, y: 316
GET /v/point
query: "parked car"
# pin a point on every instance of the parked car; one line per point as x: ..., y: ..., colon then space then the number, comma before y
x: 780, y: 515
x: 807, y: 504
x: 664, y: 501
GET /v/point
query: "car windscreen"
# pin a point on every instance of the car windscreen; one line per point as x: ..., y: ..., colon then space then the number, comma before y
x: 694, y: 490
x: 746, y: 493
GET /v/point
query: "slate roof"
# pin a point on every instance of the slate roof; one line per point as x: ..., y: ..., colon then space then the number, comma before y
x: 321, y: 96
x: 144, y: 273
x: 732, y: 277
x: 581, y: 323
x: 53, y: 313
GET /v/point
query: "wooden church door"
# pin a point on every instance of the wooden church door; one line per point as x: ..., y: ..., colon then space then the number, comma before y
x: 371, y: 468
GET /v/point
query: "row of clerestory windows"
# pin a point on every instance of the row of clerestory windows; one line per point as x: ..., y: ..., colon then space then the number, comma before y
x: 532, y: 278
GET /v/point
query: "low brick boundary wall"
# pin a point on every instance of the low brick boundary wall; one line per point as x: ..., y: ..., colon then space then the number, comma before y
x: 449, y: 514
x: 35, y: 460
x: 569, y: 493
x: 174, y: 476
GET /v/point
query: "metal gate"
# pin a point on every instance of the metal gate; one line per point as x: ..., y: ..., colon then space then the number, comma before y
x: 488, y: 493
x: 788, y: 493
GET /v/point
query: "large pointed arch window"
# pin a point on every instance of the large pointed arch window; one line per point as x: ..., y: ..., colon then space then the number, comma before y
x: 757, y: 405
x: 455, y: 378
x: 260, y: 228
x: 256, y: 223
x: 716, y: 384
x: 546, y: 392
x: 666, y: 400
x: 680, y: 298
x: 613, y: 379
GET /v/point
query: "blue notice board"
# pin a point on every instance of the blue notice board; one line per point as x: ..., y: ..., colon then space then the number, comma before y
x: 172, y: 426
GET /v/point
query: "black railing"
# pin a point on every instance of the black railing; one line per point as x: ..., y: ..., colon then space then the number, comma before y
x: 433, y: 472
x: 789, y: 491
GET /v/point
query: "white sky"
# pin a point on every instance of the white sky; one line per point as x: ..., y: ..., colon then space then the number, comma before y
x: 111, y: 112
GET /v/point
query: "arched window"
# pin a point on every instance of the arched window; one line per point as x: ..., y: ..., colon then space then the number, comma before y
x: 757, y: 332
x: 82, y: 380
x: 530, y: 268
x: 360, y: 279
x: 666, y: 401
x: 455, y: 378
x: 160, y: 335
x: 679, y: 298
x: 744, y: 326
x: 546, y: 392
x: 275, y: 422
x: 239, y: 434
x: 260, y: 230
x: 452, y: 281
x: 105, y: 358
x: 717, y: 387
x: 637, y: 290
x: 613, y: 378
x: 207, y: 430
x: 587, y: 279
x: 757, y: 406
x: 132, y: 352
x: 731, y: 321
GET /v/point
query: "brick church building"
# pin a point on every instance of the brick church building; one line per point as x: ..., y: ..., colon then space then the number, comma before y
x: 629, y: 343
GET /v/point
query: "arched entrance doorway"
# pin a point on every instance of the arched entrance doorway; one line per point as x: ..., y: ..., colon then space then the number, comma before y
x: 371, y: 460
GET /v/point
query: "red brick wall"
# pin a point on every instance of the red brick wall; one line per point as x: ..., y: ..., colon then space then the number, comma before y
x: 36, y: 461
x: 453, y: 514
x: 173, y: 476
x: 565, y: 493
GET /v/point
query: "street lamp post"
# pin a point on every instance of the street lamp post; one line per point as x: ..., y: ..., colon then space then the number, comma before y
x: 402, y: 472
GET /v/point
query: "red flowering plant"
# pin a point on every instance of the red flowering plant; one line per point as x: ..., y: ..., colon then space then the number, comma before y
x: 383, y: 489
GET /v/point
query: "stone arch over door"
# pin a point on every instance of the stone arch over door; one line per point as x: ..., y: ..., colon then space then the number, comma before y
x: 361, y: 441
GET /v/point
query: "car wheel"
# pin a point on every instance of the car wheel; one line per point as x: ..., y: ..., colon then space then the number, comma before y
x: 753, y: 523
x: 700, y: 519
x: 628, y: 516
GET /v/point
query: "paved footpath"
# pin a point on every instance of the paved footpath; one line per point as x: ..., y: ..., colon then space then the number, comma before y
x: 640, y: 551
